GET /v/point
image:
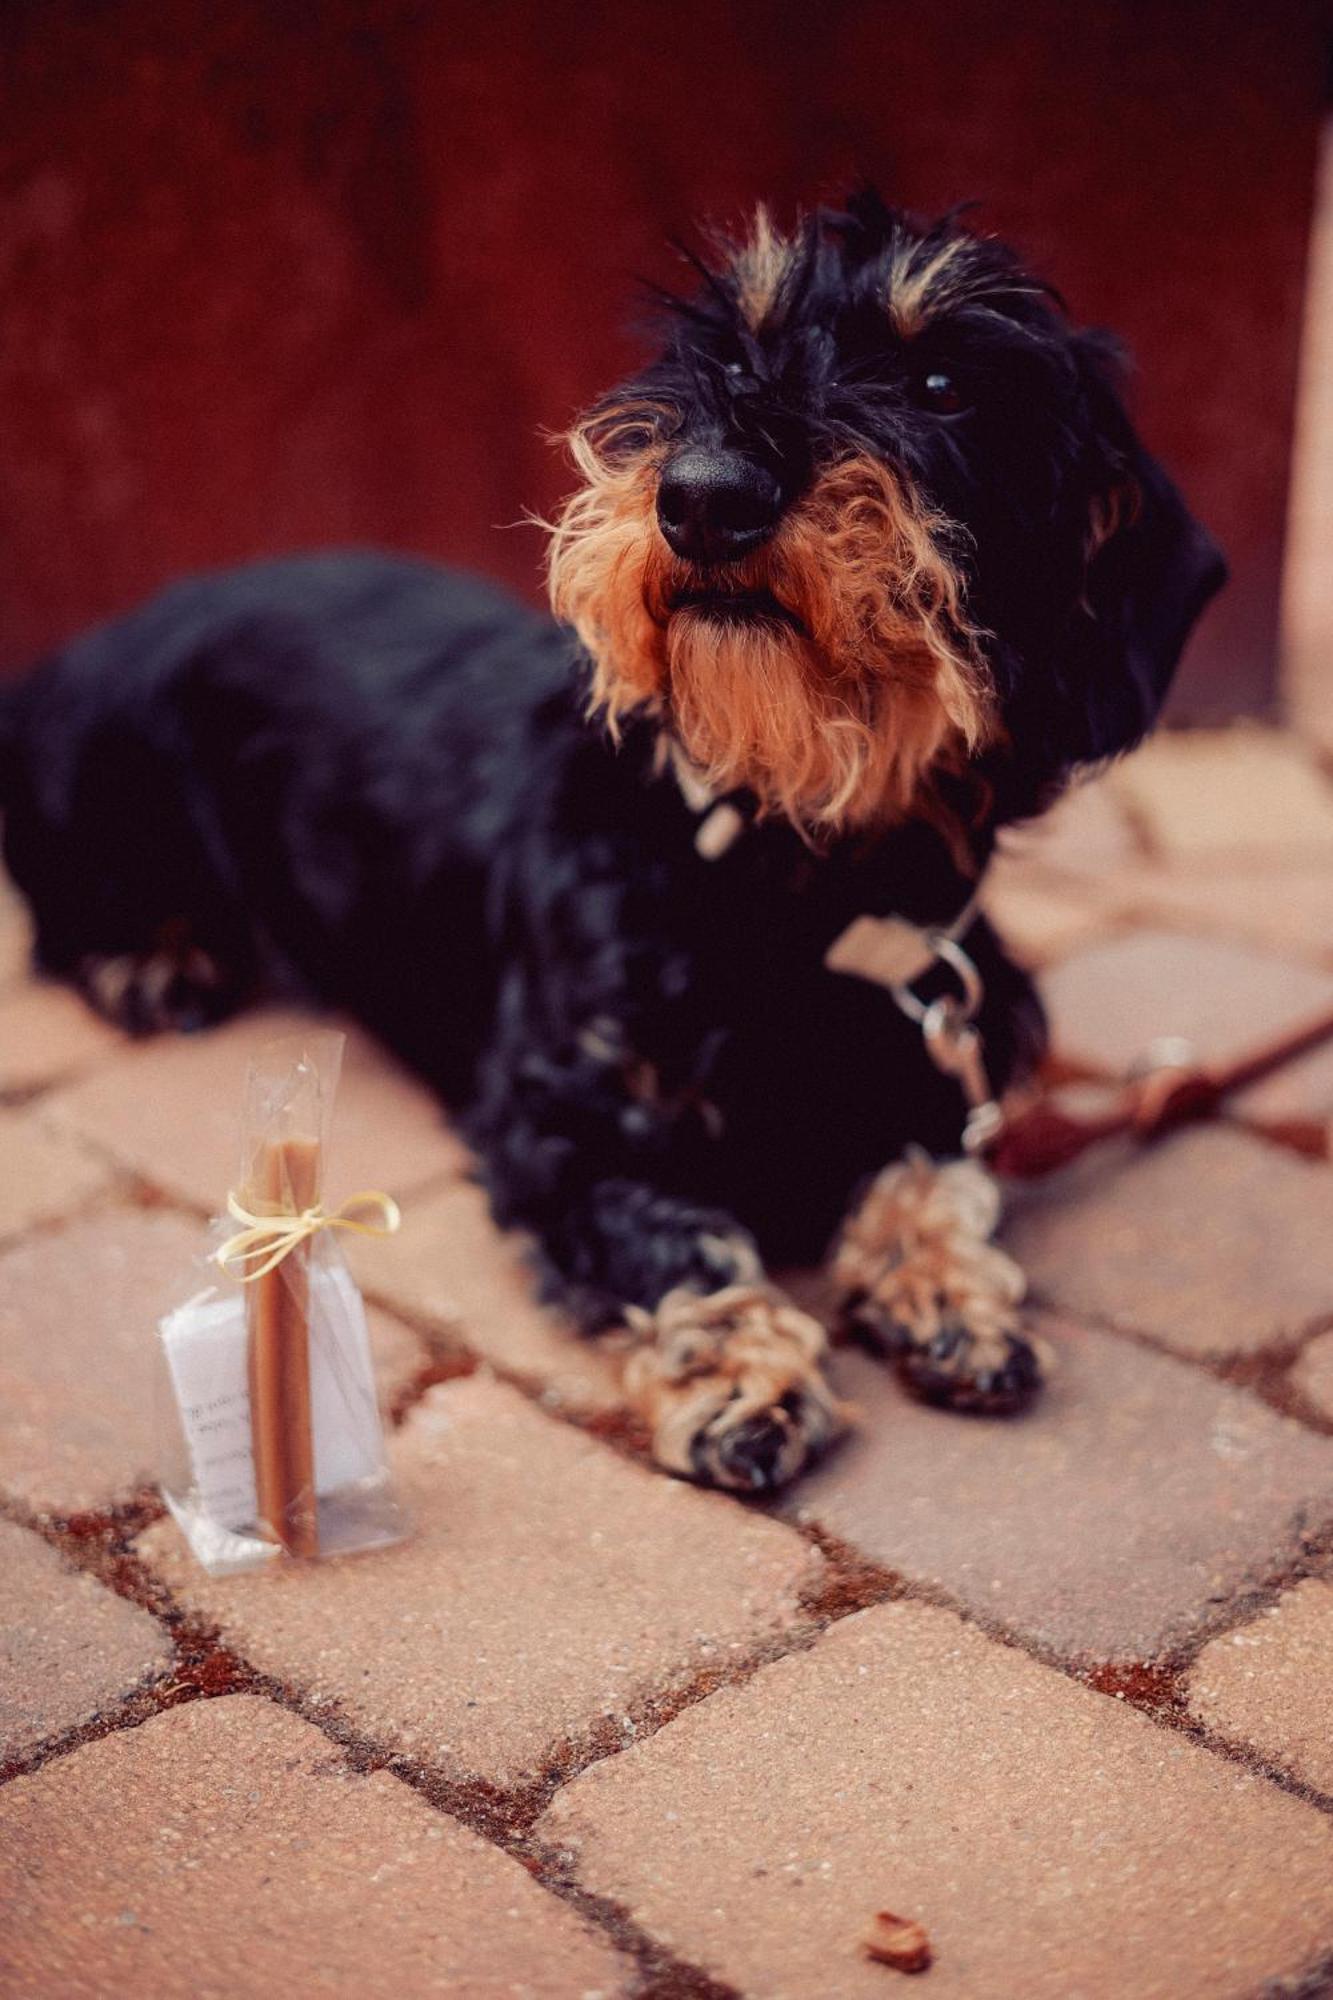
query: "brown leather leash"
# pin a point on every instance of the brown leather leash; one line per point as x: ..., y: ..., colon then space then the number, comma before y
x: 1037, y: 1135
x: 1042, y: 1136
x: 1025, y: 1139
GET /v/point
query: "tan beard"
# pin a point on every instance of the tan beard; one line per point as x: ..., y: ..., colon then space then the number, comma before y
x: 843, y: 719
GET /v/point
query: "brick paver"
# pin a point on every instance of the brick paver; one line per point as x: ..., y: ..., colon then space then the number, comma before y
x: 1052, y: 1841
x: 556, y: 1599
x: 1136, y: 1497
x: 548, y: 1587
x: 68, y: 1648
x: 1211, y: 1241
x: 396, y: 1353
x: 225, y: 1849
x: 1087, y: 834
x: 1210, y: 795
x: 15, y: 935
x: 451, y: 1270
x: 1307, y: 598
x: 1107, y: 1005
x: 171, y: 1110
x: 1295, y: 1104
x: 1270, y: 1684
x: 1285, y: 909
x: 46, y: 1034
x: 1039, y: 923
x: 79, y: 1308
x: 43, y: 1174
x: 1312, y: 1373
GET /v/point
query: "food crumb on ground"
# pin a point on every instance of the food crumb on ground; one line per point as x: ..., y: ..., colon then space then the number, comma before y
x: 897, y: 1941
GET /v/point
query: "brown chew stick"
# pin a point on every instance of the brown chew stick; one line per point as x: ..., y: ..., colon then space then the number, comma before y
x: 286, y: 1175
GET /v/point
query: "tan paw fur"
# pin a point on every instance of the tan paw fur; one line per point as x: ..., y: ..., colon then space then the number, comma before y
x: 732, y: 1386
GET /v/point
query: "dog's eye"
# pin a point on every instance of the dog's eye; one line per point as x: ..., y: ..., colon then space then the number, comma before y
x: 623, y: 437
x: 938, y: 391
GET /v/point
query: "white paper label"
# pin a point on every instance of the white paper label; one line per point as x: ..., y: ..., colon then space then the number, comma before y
x: 205, y: 1342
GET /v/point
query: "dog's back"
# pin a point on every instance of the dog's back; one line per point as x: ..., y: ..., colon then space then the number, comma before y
x: 288, y: 751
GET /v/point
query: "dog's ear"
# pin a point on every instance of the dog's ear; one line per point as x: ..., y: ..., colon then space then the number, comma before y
x: 1149, y: 568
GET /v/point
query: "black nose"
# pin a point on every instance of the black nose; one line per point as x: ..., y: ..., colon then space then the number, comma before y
x: 715, y: 506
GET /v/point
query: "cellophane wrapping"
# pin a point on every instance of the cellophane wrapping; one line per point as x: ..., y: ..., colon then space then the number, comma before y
x: 271, y: 1444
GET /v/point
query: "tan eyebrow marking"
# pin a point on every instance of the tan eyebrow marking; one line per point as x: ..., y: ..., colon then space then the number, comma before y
x: 760, y: 266
x: 915, y: 289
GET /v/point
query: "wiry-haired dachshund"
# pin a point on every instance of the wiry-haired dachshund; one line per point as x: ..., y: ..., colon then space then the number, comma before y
x: 863, y: 566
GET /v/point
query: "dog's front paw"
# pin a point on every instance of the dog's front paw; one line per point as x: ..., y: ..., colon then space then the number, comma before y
x: 920, y: 1276
x: 991, y: 1371
x: 732, y: 1387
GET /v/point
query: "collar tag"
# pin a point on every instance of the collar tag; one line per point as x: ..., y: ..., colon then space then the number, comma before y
x: 888, y: 951
x: 717, y: 831
x: 696, y: 794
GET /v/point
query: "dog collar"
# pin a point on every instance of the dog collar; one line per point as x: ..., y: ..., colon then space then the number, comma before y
x: 890, y: 951
x: 894, y: 951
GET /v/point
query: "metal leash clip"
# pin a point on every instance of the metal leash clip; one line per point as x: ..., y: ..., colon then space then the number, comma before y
x: 953, y: 1042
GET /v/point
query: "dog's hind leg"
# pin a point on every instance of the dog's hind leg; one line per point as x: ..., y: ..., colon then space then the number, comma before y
x: 172, y: 983
x: 129, y: 896
x: 919, y: 1275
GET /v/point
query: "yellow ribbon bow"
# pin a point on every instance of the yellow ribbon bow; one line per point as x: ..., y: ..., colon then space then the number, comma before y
x: 273, y: 1237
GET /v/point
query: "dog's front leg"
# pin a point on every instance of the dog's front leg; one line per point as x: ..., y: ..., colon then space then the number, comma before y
x: 726, y: 1372
x: 919, y: 1274
x: 589, y: 1154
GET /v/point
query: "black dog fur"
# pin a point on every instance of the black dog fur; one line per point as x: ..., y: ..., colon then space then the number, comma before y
x: 377, y: 781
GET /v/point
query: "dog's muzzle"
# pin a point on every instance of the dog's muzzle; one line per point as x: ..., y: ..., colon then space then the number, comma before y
x: 731, y: 603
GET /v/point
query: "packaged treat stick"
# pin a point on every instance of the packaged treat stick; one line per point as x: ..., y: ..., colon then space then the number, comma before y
x: 273, y: 1443
x: 286, y: 1180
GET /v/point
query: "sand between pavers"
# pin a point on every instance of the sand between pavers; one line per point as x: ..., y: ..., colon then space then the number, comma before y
x: 1269, y: 1684
x: 549, y: 1588
x: 225, y: 1851
x: 1108, y: 1522
x: 68, y: 1648
x: 1055, y: 1844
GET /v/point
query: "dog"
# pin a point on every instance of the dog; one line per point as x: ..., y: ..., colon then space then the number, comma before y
x: 660, y: 894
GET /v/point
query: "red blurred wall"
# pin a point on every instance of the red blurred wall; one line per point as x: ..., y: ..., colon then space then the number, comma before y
x: 275, y: 275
